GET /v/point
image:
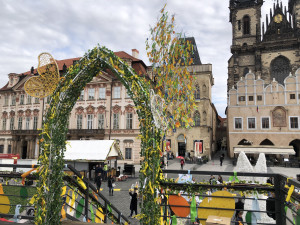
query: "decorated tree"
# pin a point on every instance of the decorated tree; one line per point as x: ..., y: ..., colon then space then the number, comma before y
x: 172, y: 101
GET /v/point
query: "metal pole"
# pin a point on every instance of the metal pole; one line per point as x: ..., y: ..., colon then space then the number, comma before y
x: 105, y: 212
x: 86, y: 204
x: 279, y: 201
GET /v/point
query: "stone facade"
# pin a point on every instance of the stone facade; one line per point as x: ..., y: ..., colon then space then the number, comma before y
x: 259, y: 113
x: 271, y: 50
x: 182, y: 140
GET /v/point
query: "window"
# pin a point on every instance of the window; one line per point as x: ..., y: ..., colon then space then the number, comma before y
x: 6, y: 100
x: 12, y: 121
x: 21, y: 99
x: 81, y: 96
x: 27, y: 123
x: 35, y: 122
x: 298, y: 96
x: 91, y: 93
x: 292, y: 96
x: 1, y: 148
x: 280, y: 68
x: 100, y: 121
x: 102, y: 93
x: 79, y: 121
x: 294, y: 122
x: 238, y: 123
x: 129, y: 121
x: 20, y: 123
x: 4, y: 124
x: 13, y: 100
x: 251, y: 123
x: 9, y: 149
x: 246, y: 70
x: 246, y: 25
x: 115, y: 121
x: 265, y: 122
x: 36, y: 100
x: 259, y: 97
x: 28, y: 99
x: 90, y: 121
x: 197, y: 119
x: 197, y: 92
x: 241, y: 98
x: 128, y: 153
x: 250, y: 98
x: 117, y: 92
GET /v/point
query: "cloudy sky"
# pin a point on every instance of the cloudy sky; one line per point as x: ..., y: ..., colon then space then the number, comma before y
x: 69, y: 28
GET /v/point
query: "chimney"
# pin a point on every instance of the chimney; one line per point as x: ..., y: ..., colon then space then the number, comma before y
x: 135, y: 53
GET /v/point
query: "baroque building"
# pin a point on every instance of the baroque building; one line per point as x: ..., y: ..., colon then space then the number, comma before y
x: 103, y: 111
x: 270, y: 49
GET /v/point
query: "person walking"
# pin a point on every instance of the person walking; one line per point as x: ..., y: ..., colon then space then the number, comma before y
x: 105, y: 168
x: 111, y: 184
x: 182, y: 163
x: 239, y: 207
x: 133, y: 202
x: 220, y: 179
x: 98, y: 181
x: 221, y: 159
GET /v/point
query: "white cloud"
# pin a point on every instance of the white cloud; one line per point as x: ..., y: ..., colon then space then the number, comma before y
x: 69, y: 28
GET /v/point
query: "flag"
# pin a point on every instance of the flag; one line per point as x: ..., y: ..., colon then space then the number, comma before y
x: 257, y: 109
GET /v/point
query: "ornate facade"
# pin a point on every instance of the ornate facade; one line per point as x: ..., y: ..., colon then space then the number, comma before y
x: 103, y: 111
x: 263, y: 115
x: 271, y: 49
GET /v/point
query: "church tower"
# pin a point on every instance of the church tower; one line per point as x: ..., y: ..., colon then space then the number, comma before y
x: 246, y: 33
x: 271, y: 49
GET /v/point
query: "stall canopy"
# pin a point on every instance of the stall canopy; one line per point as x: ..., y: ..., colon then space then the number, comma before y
x: 92, y: 150
x: 288, y: 150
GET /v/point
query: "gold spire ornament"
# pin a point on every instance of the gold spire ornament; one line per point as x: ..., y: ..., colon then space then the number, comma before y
x: 43, y: 85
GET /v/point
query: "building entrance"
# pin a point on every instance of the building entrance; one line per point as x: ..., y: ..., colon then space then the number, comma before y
x: 181, y: 149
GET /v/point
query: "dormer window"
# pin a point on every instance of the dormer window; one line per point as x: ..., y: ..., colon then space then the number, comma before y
x: 246, y: 25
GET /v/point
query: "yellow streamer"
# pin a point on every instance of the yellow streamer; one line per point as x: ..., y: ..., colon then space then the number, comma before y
x: 64, y: 189
x: 81, y: 183
x: 99, y: 216
x: 290, y: 192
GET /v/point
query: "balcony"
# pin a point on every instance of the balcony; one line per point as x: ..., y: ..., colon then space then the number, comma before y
x: 25, y: 132
x: 83, y: 132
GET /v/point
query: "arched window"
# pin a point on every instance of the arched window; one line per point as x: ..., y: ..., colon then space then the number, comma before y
x: 266, y: 142
x: 197, y: 119
x: 197, y: 92
x: 280, y: 69
x: 246, y: 70
x: 246, y: 25
x: 245, y: 142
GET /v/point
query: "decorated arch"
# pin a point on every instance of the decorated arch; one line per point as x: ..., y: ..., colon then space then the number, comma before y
x: 52, y: 140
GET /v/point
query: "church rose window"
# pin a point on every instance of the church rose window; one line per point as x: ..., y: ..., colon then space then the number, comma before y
x: 280, y: 69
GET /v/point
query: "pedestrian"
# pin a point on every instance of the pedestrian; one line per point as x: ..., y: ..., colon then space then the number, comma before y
x: 220, y: 179
x: 98, y: 181
x: 111, y: 185
x: 212, y: 180
x: 221, y: 159
x: 133, y: 202
x: 270, y: 206
x: 239, y: 206
x: 181, y: 163
x: 239, y: 218
x: 105, y: 168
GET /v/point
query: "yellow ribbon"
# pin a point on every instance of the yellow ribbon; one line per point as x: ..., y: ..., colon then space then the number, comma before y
x: 290, y: 192
x: 64, y: 189
x: 81, y: 183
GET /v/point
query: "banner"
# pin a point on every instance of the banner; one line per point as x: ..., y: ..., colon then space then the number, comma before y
x: 168, y: 145
x: 198, y: 147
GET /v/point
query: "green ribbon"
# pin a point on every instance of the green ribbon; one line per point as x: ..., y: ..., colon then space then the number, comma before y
x: 174, y: 220
x: 108, y: 208
x: 193, y: 209
x: 234, y: 177
x: 92, y: 213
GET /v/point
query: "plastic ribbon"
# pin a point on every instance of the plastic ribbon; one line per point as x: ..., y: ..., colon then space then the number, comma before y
x: 24, y: 175
x: 234, y: 177
x: 63, y: 190
x: 174, y: 220
x: 290, y: 192
x: 109, y: 208
x: 99, y: 215
x: 92, y: 213
x: 193, y: 209
x: 161, y: 216
x: 63, y: 212
x: 81, y: 183
x: 17, y: 213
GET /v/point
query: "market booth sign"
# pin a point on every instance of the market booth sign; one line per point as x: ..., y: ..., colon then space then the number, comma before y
x: 288, y: 150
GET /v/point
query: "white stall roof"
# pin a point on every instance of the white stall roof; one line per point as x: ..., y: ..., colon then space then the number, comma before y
x: 91, y: 150
x: 288, y: 150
